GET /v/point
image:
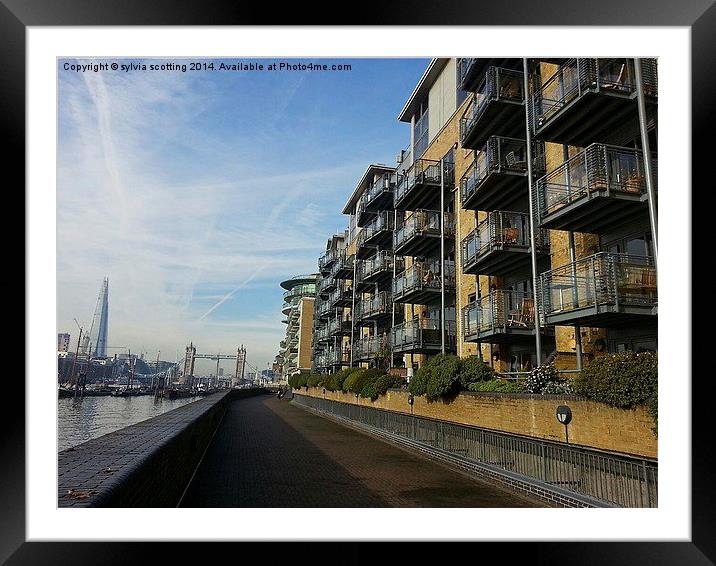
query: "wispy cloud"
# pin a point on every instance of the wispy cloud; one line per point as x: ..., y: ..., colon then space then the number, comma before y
x: 191, y: 188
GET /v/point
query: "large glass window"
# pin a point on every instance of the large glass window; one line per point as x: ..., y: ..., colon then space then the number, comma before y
x: 420, y: 133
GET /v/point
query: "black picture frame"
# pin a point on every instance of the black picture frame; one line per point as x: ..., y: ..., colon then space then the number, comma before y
x: 698, y: 15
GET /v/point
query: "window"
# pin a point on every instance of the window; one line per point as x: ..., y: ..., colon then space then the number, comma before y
x: 420, y: 131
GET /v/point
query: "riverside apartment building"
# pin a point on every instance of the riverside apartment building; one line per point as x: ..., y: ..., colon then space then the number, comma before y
x: 518, y: 224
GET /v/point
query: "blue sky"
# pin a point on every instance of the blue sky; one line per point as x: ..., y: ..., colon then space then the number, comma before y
x: 198, y: 192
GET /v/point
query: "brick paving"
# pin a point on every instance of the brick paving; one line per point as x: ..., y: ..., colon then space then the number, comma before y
x: 270, y: 453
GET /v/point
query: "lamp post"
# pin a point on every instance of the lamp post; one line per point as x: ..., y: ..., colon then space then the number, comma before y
x: 564, y: 416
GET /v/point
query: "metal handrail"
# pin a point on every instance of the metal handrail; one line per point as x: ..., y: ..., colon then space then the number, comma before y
x: 422, y: 222
x: 601, y: 279
x: 422, y: 171
x: 423, y: 276
x: 501, y: 228
x: 422, y: 331
x: 499, y: 153
x: 577, y: 76
x: 498, y: 84
x: 382, y: 261
x: 499, y: 310
x: 597, y: 168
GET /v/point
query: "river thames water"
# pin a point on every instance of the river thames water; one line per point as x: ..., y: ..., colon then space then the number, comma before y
x: 80, y: 420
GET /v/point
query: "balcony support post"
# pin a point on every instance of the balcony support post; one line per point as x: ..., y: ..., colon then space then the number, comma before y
x: 646, y: 153
x: 442, y: 256
x: 392, y: 298
x: 577, y: 327
x: 353, y: 309
x: 533, y: 228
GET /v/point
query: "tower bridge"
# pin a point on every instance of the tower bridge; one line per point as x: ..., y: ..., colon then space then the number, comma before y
x: 191, y: 356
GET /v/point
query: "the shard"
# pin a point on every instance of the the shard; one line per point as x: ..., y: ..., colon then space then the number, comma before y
x: 98, y: 330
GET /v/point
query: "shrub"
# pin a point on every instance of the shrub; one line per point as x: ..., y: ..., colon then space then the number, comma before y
x: 380, y: 385
x: 298, y: 380
x: 350, y: 382
x: 334, y: 382
x: 623, y: 380
x: 438, y: 377
x: 419, y: 383
x: 540, y: 377
x: 497, y: 386
x: 558, y: 387
x: 473, y: 370
x: 363, y: 378
x: 314, y: 379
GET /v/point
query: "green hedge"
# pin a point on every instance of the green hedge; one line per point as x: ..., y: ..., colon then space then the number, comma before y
x: 334, y: 382
x: 357, y: 380
x: 445, y: 375
x: 622, y: 380
x: 298, y: 380
x: 380, y: 385
x: 315, y: 379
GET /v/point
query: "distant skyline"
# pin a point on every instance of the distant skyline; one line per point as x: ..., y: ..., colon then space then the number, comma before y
x: 198, y: 192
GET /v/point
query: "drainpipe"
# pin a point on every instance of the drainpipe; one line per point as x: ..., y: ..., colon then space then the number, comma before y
x: 646, y: 151
x: 442, y: 257
x: 573, y: 259
x: 533, y: 229
x: 353, y: 306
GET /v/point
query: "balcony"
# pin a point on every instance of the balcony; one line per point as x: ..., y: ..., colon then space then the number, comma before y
x: 322, y: 334
x: 601, y: 188
x: 500, y: 317
x: 376, y: 308
x: 368, y: 347
x: 341, y: 297
x: 420, y: 284
x: 295, y: 293
x: 423, y: 336
x: 377, y: 197
x: 325, y: 261
x: 496, y: 109
x: 379, y: 232
x: 334, y: 358
x: 378, y: 270
x: 471, y: 70
x: 339, y: 325
x: 326, y: 285
x: 590, y: 100
x: 497, y: 179
x: 602, y: 290
x: 419, y: 186
x: 343, y: 267
x: 324, y: 309
x: 419, y: 233
x: 500, y: 245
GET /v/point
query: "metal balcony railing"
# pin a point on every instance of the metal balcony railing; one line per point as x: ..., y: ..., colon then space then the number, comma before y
x: 336, y: 357
x: 499, y: 155
x: 423, y: 276
x: 383, y: 186
x: 423, y: 334
x: 501, y: 230
x: 497, y: 312
x: 576, y: 77
x: 423, y: 223
x: 616, y: 281
x: 343, y: 264
x: 498, y: 84
x: 306, y: 290
x: 327, y: 258
x: 382, y: 223
x: 464, y: 68
x: 343, y: 293
x: 381, y: 303
x: 368, y: 347
x: 423, y: 172
x: 599, y: 169
x: 381, y: 262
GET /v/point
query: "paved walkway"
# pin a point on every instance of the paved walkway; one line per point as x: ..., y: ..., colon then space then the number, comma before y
x: 270, y: 453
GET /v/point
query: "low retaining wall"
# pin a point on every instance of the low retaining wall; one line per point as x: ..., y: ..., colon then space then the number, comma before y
x: 594, y: 425
x: 148, y: 464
